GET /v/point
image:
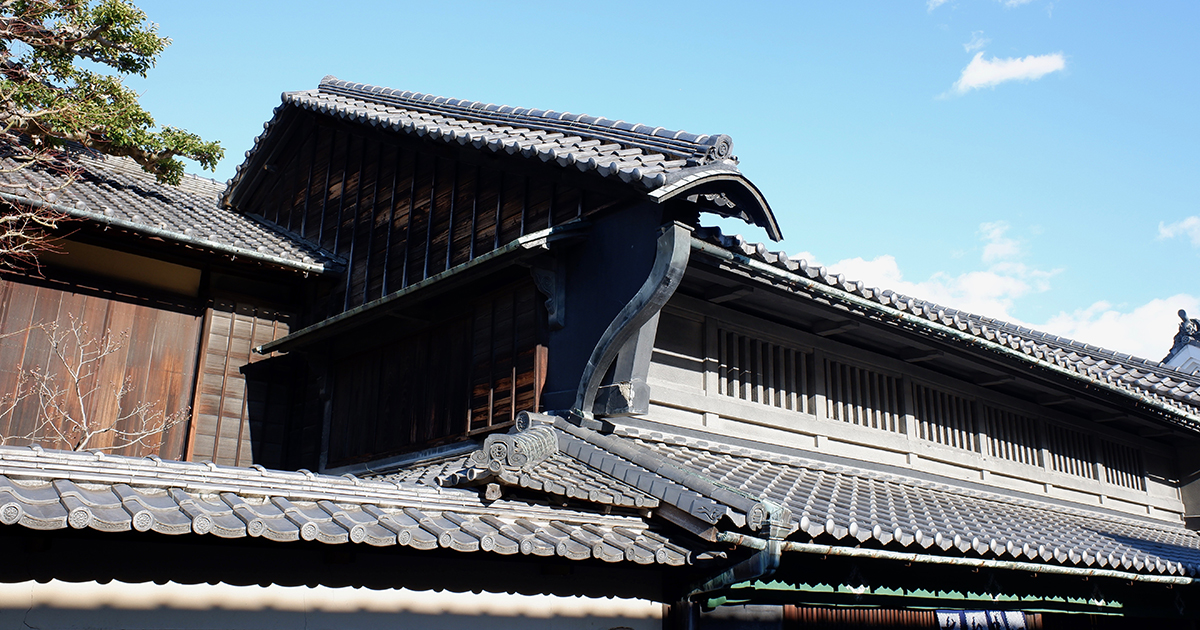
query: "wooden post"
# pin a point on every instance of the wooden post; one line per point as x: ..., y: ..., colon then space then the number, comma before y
x: 820, y: 405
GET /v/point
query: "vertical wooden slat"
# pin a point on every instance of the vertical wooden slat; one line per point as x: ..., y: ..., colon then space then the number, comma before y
x: 373, y: 223
x: 429, y: 218
x: 352, y: 262
x: 450, y: 219
x: 475, y: 214
x: 499, y: 211
x: 412, y: 203
x: 333, y: 138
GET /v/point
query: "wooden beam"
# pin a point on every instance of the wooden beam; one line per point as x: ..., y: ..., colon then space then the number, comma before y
x: 917, y: 355
x: 828, y: 327
x: 1052, y: 400
x: 718, y: 294
x: 991, y: 380
x: 686, y: 521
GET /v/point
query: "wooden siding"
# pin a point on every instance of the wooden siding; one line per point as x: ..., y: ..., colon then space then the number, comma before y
x: 401, y: 212
x: 720, y: 369
x: 227, y: 423
x: 156, y: 357
x: 467, y: 375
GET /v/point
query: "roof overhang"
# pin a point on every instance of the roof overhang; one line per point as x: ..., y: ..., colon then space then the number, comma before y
x: 196, y: 242
x: 941, y: 327
x: 514, y: 252
x: 721, y: 190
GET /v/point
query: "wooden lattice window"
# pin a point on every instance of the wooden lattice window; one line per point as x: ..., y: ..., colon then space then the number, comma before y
x: 763, y: 372
x: 1011, y: 436
x: 944, y: 418
x: 1123, y: 466
x: 1070, y: 452
x: 863, y: 397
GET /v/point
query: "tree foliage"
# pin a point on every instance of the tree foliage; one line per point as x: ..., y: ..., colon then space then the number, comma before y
x: 61, y: 69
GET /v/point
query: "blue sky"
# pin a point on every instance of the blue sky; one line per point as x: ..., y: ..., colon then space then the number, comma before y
x: 1035, y: 161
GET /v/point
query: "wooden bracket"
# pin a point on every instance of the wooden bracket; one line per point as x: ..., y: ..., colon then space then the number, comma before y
x: 828, y: 327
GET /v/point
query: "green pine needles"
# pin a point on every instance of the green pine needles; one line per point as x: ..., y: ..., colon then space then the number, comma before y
x: 61, y: 69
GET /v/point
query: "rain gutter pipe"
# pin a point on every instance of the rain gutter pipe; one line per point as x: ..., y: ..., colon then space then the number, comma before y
x: 751, y: 542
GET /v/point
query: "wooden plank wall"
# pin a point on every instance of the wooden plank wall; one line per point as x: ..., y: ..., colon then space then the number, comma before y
x: 400, y: 213
x: 227, y: 424
x: 158, y: 358
x: 466, y: 376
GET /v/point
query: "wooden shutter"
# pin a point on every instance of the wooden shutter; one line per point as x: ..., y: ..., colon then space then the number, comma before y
x: 221, y: 427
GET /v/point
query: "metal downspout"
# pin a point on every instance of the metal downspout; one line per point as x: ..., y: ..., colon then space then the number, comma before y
x: 760, y: 565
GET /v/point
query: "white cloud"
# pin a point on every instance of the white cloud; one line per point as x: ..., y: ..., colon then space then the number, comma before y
x: 990, y: 292
x: 981, y: 73
x: 998, y: 247
x: 1189, y: 227
x: 978, y: 41
x: 1014, y: 3
x: 1145, y: 331
x: 933, y: 4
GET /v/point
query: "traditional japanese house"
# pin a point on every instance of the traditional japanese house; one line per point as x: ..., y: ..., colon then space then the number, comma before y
x: 520, y: 363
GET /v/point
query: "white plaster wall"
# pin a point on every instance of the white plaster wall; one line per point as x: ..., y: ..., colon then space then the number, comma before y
x: 1187, y: 361
x: 116, y: 605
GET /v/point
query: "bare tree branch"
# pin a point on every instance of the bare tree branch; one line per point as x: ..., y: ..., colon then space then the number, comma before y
x: 67, y: 395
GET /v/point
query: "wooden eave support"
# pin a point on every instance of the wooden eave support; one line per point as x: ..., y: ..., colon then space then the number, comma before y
x: 719, y: 294
x: 990, y: 380
x: 512, y: 253
x: 830, y: 327
x: 1054, y: 400
x: 916, y: 355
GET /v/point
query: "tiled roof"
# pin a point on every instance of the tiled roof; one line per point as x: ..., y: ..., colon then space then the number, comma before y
x: 855, y: 505
x: 567, y: 466
x: 116, y: 191
x: 50, y: 490
x: 633, y: 153
x: 1172, y: 389
x: 859, y: 506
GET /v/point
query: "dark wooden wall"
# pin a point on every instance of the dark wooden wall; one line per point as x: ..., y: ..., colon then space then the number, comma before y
x: 226, y: 421
x: 157, y: 358
x: 467, y: 375
x: 403, y: 210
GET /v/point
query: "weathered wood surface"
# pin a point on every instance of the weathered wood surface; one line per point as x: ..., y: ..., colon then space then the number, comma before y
x: 400, y: 211
x: 466, y: 375
x: 226, y: 420
x: 157, y: 359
